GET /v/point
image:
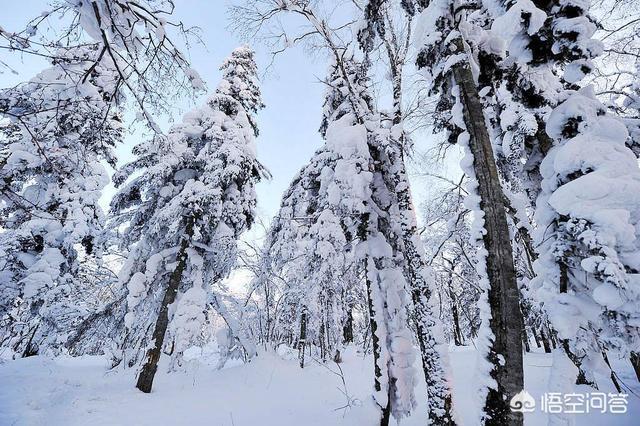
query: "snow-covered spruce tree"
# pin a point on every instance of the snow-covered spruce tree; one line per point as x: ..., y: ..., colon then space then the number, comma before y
x: 528, y: 54
x: 549, y: 50
x: 446, y: 55
x: 402, y: 221
x: 183, y: 214
x: 587, y: 217
x: 64, y: 122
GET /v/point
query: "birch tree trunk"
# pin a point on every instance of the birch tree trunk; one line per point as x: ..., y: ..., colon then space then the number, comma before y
x: 148, y: 372
x: 504, y: 298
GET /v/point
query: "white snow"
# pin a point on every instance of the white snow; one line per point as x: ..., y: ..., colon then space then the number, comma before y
x: 271, y: 390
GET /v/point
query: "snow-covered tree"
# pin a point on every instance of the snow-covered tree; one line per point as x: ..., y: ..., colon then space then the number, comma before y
x: 548, y: 48
x: 64, y: 122
x: 448, y: 46
x: 340, y: 200
x: 192, y: 197
x: 587, y: 217
x: 308, y: 245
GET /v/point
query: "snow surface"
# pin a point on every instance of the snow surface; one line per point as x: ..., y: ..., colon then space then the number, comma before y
x: 271, y: 390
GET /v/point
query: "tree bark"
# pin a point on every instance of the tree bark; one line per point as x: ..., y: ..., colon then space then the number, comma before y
x: 525, y: 340
x: 415, y: 271
x: 545, y: 341
x: 373, y: 325
x: 347, y: 330
x: 457, y: 333
x: 635, y: 361
x: 506, y: 318
x: 302, y: 340
x: 145, y: 379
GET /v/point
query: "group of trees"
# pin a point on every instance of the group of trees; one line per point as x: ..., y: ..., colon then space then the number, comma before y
x: 536, y: 241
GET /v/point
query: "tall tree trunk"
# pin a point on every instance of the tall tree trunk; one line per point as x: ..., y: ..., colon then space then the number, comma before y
x: 373, y: 325
x: 635, y: 362
x: 525, y: 339
x: 504, y: 298
x: 416, y: 271
x: 347, y: 330
x: 148, y: 372
x: 457, y: 333
x: 302, y: 340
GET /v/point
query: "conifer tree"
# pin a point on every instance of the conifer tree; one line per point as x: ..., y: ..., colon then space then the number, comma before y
x: 184, y: 212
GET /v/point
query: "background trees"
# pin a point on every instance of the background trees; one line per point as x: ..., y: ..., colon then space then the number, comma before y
x: 51, y: 183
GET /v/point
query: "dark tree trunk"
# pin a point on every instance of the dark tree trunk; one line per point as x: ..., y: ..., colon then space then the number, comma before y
x: 614, y: 378
x: 536, y: 338
x: 554, y: 339
x: 504, y: 296
x: 373, y: 325
x: 525, y: 340
x: 635, y: 361
x: 457, y: 334
x: 545, y: 341
x: 145, y: 379
x: 347, y: 330
x: 303, y: 337
x: 322, y: 343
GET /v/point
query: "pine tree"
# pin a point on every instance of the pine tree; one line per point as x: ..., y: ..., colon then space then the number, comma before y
x: 309, y: 248
x: 64, y: 122
x: 193, y: 198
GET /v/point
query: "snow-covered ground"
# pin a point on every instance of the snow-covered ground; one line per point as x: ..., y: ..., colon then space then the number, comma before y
x: 271, y: 390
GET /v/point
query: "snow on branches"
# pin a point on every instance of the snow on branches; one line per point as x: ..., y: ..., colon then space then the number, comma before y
x: 193, y: 195
x: 587, y: 216
x: 52, y: 180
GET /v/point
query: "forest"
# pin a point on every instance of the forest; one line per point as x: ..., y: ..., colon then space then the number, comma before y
x: 320, y: 212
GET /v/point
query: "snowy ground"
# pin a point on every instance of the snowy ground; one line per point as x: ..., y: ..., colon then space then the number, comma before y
x: 272, y: 390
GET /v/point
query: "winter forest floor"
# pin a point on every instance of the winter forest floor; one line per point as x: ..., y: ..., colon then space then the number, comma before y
x: 271, y: 390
